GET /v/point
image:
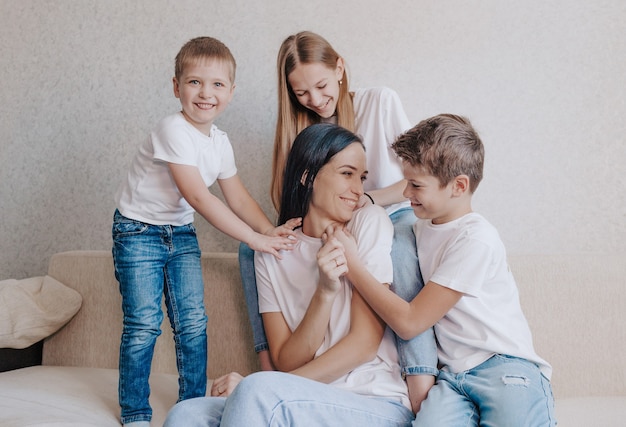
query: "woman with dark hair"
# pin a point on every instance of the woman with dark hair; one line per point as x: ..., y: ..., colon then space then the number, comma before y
x: 339, y: 362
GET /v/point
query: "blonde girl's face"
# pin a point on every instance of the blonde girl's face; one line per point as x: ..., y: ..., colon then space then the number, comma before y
x: 204, y: 89
x: 317, y: 87
x: 336, y: 190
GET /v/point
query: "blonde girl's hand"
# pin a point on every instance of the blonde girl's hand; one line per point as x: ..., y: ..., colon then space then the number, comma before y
x: 364, y: 200
x: 224, y: 385
x: 286, y: 229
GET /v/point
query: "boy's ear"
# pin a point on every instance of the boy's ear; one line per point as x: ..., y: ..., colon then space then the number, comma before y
x: 460, y: 185
x: 175, y: 87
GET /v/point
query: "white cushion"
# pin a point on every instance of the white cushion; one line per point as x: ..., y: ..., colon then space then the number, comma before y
x: 69, y: 396
x: 32, y: 309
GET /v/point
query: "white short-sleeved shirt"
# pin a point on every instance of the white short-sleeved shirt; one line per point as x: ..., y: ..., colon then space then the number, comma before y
x: 288, y: 285
x: 149, y: 193
x: 468, y: 256
x: 380, y: 119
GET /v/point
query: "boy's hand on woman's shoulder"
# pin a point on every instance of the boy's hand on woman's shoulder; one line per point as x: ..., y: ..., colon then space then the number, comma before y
x: 271, y: 244
x: 286, y: 229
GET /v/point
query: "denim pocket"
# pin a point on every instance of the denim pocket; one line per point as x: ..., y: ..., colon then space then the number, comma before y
x: 124, y: 227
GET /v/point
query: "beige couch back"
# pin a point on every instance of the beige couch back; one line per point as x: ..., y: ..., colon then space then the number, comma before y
x: 92, y: 337
x: 575, y: 307
x: 574, y: 304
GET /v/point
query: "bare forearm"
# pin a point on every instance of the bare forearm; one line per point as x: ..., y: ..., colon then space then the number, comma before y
x: 392, y: 309
x: 389, y: 195
x: 301, y: 346
x: 221, y: 217
x: 342, y: 358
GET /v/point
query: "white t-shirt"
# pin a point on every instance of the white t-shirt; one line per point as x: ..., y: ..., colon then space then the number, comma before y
x: 149, y: 193
x: 468, y: 256
x: 288, y: 285
x: 380, y: 119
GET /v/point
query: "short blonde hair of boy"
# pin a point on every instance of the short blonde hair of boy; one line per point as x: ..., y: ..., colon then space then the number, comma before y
x: 304, y: 47
x: 201, y: 48
x: 445, y: 146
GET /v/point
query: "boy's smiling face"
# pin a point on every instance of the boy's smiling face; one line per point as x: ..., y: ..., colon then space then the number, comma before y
x: 205, y: 89
x: 429, y: 199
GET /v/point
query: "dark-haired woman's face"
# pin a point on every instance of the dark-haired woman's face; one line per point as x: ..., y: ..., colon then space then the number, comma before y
x: 338, y: 187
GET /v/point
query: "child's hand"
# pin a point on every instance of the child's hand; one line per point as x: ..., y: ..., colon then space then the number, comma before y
x: 271, y: 244
x: 224, y: 385
x: 286, y: 229
x: 331, y: 263
x: 348, y: 241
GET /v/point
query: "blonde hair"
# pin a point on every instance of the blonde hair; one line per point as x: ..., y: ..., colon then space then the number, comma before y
x: 302, y: 48
x: 203, y: 48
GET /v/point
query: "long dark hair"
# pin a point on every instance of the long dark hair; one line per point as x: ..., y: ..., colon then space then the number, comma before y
x: 311, y: 150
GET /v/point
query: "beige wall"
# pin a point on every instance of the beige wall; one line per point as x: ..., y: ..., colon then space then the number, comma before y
x: 544, y: 83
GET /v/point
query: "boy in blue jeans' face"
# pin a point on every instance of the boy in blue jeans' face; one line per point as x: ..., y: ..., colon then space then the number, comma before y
x: 489, y: 372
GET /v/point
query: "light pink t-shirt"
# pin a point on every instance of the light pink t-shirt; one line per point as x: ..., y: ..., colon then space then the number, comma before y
x: 288, y: 285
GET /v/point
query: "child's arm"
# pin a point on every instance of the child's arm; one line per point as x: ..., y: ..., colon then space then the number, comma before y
x: 247, y: 209
x: 385, y: 196
x: 192, y: 187
x: 406, y: 319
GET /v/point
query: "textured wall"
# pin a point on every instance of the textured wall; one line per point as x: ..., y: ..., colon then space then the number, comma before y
x: 544, y: 83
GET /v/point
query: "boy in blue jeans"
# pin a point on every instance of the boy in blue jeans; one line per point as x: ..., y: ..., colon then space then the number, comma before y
x: 490, y: 373
x: 155, y: 249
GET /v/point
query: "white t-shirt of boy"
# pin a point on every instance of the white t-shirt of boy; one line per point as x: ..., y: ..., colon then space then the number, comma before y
x: 468, y: 256
x: 288, y: 285
x: 149, y: 193
x: 380, y: 119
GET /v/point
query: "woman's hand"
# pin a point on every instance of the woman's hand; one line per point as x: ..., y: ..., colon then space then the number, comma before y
x: 224, y: 385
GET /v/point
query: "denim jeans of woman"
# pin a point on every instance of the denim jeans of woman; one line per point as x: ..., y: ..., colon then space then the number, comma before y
x: 152, y: 261
x: 280, y: 399
x: 502, y: 391
x: 417, y: 355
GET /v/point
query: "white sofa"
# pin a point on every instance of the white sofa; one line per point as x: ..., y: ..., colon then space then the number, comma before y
x: 574, y: 304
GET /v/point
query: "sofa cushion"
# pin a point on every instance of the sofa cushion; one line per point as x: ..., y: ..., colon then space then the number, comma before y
x: 67, y: 396
x: 32, y: 309
x: 605, y: 411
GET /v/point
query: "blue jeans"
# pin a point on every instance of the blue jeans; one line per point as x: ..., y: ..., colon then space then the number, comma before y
x: 502, y: 391
x: 152, y: 261
x: 281, y: 399
x: 417, y: 355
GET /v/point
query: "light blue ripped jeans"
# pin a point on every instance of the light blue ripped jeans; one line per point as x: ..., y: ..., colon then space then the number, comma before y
x: 281, y: 399
x: 502, y: 391
x: 417, y: 355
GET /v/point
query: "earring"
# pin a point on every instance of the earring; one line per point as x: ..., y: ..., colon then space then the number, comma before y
x: 340, y: 82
